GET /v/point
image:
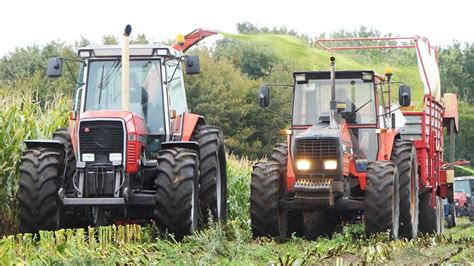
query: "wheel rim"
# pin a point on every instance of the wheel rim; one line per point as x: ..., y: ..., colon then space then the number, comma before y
x: 193, y: 209
x: 413, y: 195
x: 219, y: 188
x: 396, y: 206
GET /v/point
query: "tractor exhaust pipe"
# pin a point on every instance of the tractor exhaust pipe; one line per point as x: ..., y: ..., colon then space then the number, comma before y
x: 125, y: 67
x: 333, y: 103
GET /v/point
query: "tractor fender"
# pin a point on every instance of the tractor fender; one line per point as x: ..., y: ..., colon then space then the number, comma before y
x: 386, y: 140
x: 190, y: 122
x: 190, y: 145
x: 53, y: 144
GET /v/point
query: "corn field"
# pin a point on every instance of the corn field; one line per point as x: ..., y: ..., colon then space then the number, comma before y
x: 22, y: 117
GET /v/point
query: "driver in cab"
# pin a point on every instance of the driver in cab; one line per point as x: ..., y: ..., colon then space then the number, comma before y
x: 347, y: 106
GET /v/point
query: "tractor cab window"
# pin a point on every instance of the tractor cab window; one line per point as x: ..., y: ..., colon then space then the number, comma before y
x: 175, y: 81
x: 104, y: 90
x: 354, y: 97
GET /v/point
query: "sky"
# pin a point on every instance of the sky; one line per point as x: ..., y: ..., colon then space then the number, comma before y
x: 29, y: 22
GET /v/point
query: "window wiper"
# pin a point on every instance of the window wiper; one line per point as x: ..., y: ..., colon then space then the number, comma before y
x: 101, y: 87
x: 104, y: 82
x: 356, y: 110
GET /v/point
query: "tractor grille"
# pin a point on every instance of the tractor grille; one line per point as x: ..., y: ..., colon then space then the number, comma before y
x: 101, y: 138
x: 316, y: 151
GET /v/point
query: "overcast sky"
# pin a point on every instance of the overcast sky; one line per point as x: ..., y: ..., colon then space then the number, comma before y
x: 28, y: 22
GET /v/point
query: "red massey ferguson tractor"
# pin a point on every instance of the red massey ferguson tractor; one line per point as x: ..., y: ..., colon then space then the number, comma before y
x: 132, y: 152
x: 353, y: 154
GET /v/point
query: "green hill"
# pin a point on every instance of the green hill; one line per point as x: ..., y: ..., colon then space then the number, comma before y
x: 300, y: 54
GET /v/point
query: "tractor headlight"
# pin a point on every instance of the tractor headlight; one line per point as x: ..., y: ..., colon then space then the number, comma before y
x: 330, y: 164
x: 115, y: 157
x: 302, y: 164
x: 88, y: 157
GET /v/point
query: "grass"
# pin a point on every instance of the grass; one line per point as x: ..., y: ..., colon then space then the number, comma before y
x: 231, y: 243
x: 303, y: 56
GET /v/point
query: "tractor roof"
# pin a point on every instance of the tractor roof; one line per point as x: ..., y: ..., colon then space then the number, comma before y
x: 345, y: 74
x: 135, y: 50
x: 464, y: 178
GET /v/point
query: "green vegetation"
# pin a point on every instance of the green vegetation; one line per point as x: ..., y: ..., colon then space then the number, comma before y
x: 22, y: 118
x: 32, y: 106
x: 231, y: 243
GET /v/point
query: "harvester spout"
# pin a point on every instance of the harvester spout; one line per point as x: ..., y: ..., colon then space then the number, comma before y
x: 125, y: 67
x: 333, y: 103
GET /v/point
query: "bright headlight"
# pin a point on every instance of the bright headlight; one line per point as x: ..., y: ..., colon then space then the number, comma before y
x: 115, y: 157
x: 302, y: 165
x: 88, y: 157
x: 330, y: 164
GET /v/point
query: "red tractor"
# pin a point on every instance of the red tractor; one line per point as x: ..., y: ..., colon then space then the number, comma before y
x: 132, y: 152
x: 353, y: 154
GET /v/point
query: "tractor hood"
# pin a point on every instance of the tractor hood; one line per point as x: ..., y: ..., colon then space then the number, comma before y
x: 315, y: 145
x: 318, y: 131
x: 135, y: 124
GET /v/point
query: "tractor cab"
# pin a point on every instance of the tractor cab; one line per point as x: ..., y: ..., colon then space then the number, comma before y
x: 155, y: 95
x: 356, y: 107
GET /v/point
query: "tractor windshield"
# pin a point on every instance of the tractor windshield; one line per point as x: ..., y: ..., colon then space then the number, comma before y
x: 463, y: 186
x: 104, y: 90
x: 311, y: 101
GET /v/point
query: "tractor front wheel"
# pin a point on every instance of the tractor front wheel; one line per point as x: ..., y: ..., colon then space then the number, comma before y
x: 213, y: 175
x: 295, y: 218
x: 39, y: 206
x: 265, y: 216
x: 382, y: 199
x: 177, y: 192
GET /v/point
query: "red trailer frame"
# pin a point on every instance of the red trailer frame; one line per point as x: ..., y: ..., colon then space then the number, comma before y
x: 432, y: 169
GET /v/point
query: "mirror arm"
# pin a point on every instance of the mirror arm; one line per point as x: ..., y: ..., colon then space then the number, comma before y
x: 176, y: 68
x: 276, y: 113
x: 70, y: 72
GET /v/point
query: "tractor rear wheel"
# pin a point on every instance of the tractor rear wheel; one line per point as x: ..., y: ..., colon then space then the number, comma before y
x: 177, y: 192
x: 430, y: 219
x: 404, y: 155
x: 295, y: 218
x: 213, y: 175
x: 265, y: 216
x: 319, y: 223
x: 39, y: 206
x: 382, y: 199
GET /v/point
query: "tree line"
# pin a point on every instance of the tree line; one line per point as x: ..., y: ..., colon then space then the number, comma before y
x: 232, y: 70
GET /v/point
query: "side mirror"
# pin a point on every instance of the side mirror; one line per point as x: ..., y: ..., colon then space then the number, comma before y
x: 264, y: 96
x: 192, y: 65
x: 404, y: 95
x: 54, y: 67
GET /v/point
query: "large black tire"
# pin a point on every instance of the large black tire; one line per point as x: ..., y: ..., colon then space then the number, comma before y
x: 63, y: 135
x: 295, y: 218
x: 471, y: 210
x: 451, y: 219
x: 266, y: 219
x: 429, y: 217
x: 39, y: 206
x: 404, y: 155
x: 319, y: 223
x: 213, y: 174
x: 381, y: 201
x: 177, y: 192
